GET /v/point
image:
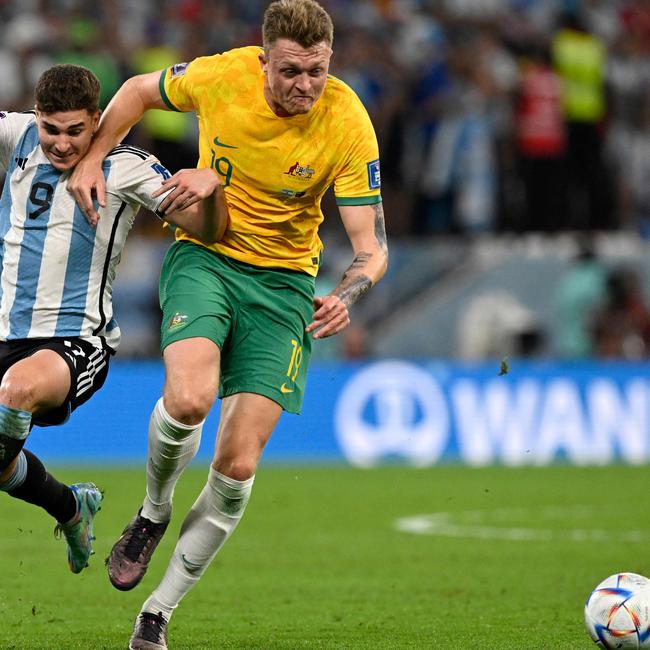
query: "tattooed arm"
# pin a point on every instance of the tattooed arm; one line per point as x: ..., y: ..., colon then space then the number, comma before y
x: 366, y: 230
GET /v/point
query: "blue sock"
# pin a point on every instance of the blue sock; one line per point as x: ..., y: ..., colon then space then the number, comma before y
x: 14, y: 423
x: 18, y: 477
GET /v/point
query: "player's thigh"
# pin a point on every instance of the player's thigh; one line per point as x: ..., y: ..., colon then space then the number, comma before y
x: 36, y: 383
x: 191, y: 378
x: 246, y: 423
x: 194, y: 296
x: 268, y: 352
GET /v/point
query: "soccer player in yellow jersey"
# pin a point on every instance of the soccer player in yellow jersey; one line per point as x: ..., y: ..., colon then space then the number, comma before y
x: 239, y: 315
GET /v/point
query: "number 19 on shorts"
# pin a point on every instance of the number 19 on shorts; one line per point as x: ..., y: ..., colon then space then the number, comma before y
x: 296, y: 360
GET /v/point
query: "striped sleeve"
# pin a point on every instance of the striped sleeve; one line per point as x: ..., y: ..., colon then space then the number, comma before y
x: 136, y: 175
x: 12, y: 126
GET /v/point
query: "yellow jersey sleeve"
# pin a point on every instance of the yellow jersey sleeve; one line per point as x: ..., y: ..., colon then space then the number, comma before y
x: 359, y: 180
x: 275, y: 170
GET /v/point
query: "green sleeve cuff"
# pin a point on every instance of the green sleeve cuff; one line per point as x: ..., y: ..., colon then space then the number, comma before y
x: 359, y: 200
x: 163, y: 94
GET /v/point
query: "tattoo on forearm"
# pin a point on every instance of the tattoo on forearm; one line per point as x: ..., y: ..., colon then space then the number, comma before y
x: 380, y: 227
x: 356, y: 288
x: 359, y: 262
x: 354, y: 284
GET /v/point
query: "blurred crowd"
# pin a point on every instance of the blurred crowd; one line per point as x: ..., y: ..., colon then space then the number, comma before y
x: 492, y: 115
x: 601, y: 311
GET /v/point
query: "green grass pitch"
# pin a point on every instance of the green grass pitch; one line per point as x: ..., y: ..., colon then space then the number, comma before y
x: 317, y: 561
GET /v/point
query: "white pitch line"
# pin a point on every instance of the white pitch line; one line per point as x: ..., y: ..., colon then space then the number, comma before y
x: 445, y: 524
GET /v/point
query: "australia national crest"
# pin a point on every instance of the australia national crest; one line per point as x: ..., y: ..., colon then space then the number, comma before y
x: 301, y: 172
x: 177, y: 320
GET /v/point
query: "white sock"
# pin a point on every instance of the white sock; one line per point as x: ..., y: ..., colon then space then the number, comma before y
x: 212, y: 519
x: 172, y: 446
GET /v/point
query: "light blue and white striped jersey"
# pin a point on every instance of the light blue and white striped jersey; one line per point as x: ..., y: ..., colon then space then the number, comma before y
x: 57, y: 270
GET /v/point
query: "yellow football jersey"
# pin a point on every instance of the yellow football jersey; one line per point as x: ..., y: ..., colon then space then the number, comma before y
x: 275, y: 169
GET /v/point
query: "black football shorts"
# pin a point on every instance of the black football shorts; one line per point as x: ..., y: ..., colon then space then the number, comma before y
x: 88, y: 369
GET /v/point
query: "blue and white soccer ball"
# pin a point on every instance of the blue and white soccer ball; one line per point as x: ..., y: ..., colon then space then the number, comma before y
x: 617, y: 612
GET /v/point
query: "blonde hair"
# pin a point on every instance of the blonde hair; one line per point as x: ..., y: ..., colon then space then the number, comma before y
x: 302, y: 21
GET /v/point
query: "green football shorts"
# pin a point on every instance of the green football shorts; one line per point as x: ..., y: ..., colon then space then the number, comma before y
x: 256, y: 316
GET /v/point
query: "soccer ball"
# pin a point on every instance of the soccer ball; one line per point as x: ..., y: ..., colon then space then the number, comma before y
x: 617, y: 612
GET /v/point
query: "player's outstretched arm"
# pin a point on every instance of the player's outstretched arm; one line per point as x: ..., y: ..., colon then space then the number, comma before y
x: 207, y: 217
x: 127, y: 107
x: 366, y: 229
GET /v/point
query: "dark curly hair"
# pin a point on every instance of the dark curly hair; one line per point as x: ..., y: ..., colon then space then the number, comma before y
x: 67, y: 87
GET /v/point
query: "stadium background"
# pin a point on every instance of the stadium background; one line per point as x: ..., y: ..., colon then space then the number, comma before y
x: 515, y: 145
x: 515, y: 141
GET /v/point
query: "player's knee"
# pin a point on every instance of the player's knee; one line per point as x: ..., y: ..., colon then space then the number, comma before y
x: 188, y: 407
x: 18, y: 393
x: 240, y: 469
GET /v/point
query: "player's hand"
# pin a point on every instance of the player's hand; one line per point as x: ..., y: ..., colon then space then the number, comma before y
x: 189, y: 186
x: 85, y: 182
x: 330, y: 316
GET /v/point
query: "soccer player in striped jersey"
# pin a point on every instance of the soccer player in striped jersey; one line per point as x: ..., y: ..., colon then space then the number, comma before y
x: 239, y: 315
x: 57, y: 330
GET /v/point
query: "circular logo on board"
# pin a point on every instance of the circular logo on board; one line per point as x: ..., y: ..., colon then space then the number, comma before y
x: 389, y: 409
